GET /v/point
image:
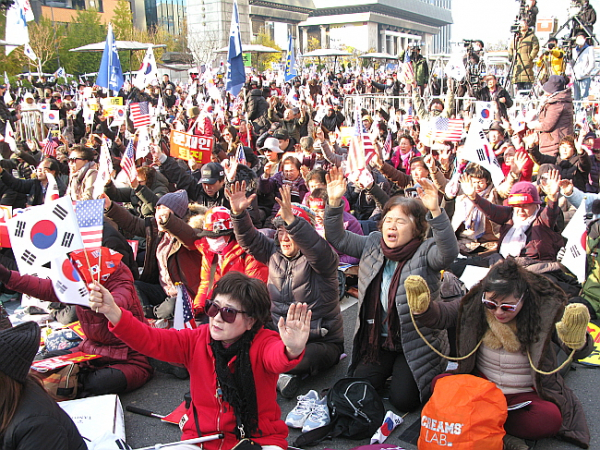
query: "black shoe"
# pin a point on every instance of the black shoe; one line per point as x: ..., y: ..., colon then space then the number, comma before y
x: 149, y: 312
x: 288, y: 385
x: 164, y: 367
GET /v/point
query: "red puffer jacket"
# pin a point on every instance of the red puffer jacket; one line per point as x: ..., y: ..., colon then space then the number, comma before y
x: 98, y: 339
x: 234, y: 259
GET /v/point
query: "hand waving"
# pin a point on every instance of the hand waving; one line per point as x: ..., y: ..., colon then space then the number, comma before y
x: 428, y: 194
x: 336, y: 186
x: 294, y: 330
x: 236, y: 193
x: 467, y: 186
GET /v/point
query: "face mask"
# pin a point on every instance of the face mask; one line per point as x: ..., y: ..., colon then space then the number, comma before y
x: 217, y: 245
x: 580, y: 41
x: 551, y: 46
x: 389, y: 82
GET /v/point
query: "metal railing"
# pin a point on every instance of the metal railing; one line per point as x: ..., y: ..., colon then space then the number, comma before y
x: 31, y: 125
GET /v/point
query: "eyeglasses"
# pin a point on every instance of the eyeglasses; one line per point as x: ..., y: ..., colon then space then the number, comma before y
x: 227, y: 314
x: 73, y: 159
x: 493, y: 306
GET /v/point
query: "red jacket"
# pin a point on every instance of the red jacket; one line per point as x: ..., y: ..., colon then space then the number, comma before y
x: 202, y: 128
x: 235, y: 259
x: 98, y: 339
x: 191, y: 348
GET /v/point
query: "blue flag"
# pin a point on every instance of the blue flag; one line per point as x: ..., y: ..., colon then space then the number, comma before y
x: 290, y: 62
x: 110, y: 74
x: 236, y: 74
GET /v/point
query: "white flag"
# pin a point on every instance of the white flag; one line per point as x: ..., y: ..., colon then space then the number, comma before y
x: 484, y: 114
x: 105, y: 169
x: 51, y: 116
x: 9, y: 137
x: 143, y: 143
x: 477, y: 149
x: 16, y: 26
x: 68, y: 285
x: 576, y: 235
x: 42, y: 233
x: 148, y: 72
x: 52, y: 189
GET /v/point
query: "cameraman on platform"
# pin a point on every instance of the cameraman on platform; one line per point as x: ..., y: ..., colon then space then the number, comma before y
x: 525, y: 51
x: 552, y: 61
x: 583, y: 65
x: 530, y: 13
x: 587, y: 16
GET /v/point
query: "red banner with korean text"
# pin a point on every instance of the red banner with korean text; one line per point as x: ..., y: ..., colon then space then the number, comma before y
x: 188, y: 146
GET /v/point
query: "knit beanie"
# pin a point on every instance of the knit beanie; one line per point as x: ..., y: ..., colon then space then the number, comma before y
x: 18, y: 347
x: 298, y: 210
x: 176, y: 201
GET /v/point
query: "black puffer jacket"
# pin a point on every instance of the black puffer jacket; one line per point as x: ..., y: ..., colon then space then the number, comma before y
x: 310, y: 276
x: 40, y: 423
x: 256, y: 105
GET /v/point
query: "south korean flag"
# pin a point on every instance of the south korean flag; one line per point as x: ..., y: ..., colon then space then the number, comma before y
x: 42, y: 233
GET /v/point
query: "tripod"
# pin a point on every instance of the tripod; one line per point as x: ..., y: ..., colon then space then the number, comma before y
x: 513, y: 63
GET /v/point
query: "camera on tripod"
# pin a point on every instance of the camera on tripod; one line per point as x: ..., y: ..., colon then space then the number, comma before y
x: 522, y: 15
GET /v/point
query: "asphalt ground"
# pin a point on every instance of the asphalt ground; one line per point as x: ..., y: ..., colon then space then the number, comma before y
x: 165, y: 392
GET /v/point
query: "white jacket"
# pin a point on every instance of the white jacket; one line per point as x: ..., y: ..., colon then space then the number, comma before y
x: 583, y: 63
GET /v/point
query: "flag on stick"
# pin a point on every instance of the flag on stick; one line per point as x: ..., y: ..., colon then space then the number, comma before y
x: 90, y: 218
x: 290, y: 61
x: 236, y: 74
x: 128, y: 162
x: 183, y: 316
x: 110, y: 74
x: 140, y: 114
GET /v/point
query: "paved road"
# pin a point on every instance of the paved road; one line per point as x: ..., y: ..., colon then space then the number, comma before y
x: 164, y: 392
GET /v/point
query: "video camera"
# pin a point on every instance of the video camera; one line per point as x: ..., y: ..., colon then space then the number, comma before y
x: 522, y: 15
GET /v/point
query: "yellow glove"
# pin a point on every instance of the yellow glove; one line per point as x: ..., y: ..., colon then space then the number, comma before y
x: 417, y: 294
x: 573, y: 326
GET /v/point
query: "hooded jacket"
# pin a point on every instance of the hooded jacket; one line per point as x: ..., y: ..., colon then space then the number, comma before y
x: 555, y: 121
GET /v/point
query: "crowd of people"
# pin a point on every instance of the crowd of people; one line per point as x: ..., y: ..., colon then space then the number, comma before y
x: 256, y: 232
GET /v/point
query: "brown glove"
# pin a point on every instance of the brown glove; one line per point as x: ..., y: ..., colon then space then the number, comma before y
x: 572, y: 329
x: 417, y: 294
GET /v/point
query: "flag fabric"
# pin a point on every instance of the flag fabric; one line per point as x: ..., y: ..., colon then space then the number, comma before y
x: 110, y: 74
x: 49, y: 148
x: 95, y: 264
x: 448, y: 129
x: 68, y: 285
x: 60, y: 73
x: 140, y: 114
x: 367, y: 143
x: 128, y: 162
x: 51, y: 116
x: 52, y: 192
x: 387, y: 146
x: 105, y: 169
x: 43, y: 233
x: 236, y: 73
x: 90, y: 218
x: 484, y: 114
x: 183, y: 317
x: 143, y: 143
x: 240, y: 155
x: 16, y: 26
x: 575, y: 250
x: 9, y: 136
x: 409, y: 119
x: 148, y: 71
x: 290, y: 61
x: 477, y: 149
x: 407, y: 73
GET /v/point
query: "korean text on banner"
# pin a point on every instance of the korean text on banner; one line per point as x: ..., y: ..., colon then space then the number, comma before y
x: 187, y: 146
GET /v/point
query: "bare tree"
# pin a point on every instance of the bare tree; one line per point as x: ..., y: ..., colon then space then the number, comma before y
x: 45, y: 40
x: 203, y: 45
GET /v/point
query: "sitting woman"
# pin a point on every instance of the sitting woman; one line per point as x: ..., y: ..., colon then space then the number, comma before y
x: 29, y: 418
x: 507, y: 324
x: 234, y: 362
x: 385, y: 342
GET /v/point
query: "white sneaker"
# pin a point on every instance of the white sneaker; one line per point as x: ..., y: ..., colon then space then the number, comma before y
x: 297, y: 416
x: 319, y: 417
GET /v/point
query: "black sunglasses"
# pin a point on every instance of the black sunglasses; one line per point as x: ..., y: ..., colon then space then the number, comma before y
x: 71, y: 159
x: 227, y: 314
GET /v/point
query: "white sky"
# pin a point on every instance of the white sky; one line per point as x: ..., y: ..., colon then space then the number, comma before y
x: 490, y: 20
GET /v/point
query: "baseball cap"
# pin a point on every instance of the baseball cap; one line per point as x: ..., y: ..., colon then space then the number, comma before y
x: 211, y: 173
x: 523, y: 193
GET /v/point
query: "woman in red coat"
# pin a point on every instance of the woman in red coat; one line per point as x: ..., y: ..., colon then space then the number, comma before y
x: 230, y: 360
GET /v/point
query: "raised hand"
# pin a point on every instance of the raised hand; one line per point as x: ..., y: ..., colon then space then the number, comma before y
x: 552, y: 186
x: 294, y: 330
x: 102, y: 302
x: 467, y: 186
x: 428, y: 194
x: 336, y: 186
x: 236, y: 193
x: 519, y: 161
x: 566, y: 187
x: 285, y: 202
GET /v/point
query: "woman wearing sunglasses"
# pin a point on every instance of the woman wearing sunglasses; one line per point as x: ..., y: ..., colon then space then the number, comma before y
x: 82, y: 173
x: 233, y: 361
x: 511, y: 324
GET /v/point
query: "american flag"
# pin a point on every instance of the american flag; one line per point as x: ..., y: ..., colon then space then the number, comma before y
x: 240, y: 155
x: 140, y: 114
x: 407, y: 74
x: 409, y: 119
x: 183, y: 316
x: 90, y: 218
x: 128, y: 162
x: 49, y: 148
x: 448, y: 129
x: 387, y: 146
x: 362, y: 133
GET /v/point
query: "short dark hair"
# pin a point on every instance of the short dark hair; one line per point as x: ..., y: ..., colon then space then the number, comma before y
x: 320, y: 193
x: 54, y: 164
x: 436, y: 101
x: 406, y: 136
x: 476, y: 171
x: 413, y: 208
x: 420, y: 160
x: 292, y: 160
x: 87, y: 153
x: 317, y: 174
x: 252, y: 294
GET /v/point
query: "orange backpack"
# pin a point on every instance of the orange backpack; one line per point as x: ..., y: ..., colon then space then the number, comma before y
x: 465, y: 412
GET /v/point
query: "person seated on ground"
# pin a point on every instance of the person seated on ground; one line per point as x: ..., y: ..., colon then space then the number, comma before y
x: 476, y: 234
x: 145, y: 190
x: 221, y: 254
x: 208, y: 191
x: 82, y: 173
x: 31, y: 419
x: 171, y: 255
x: 508, y: 324
x: 384, y: 342
x: 317, y: 200
x: 302, y: 266
x: 289, y: 176
x: 333, y: 154
x: 572, y: 160
x: 233, y: 355
x: 315, y: 179
x: 36, y: 188
x: 420, y: 167
x: 120, y: 368
x: 404, y: 153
